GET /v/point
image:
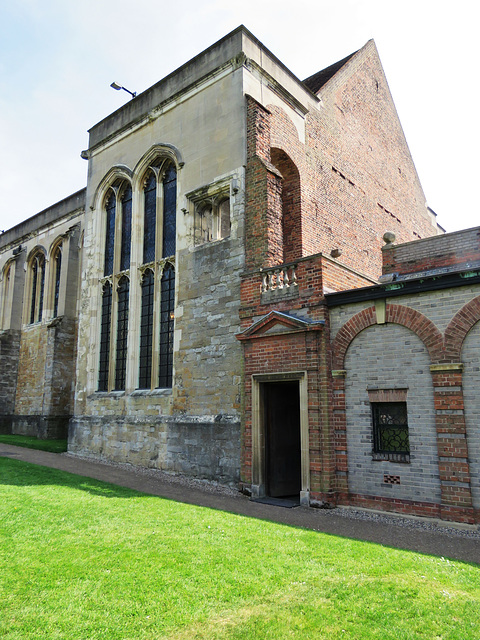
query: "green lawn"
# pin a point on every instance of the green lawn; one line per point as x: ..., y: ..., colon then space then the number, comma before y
x: 84, y: 560
x: 54, y: 446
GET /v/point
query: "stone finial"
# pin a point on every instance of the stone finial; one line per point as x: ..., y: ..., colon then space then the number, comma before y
x: 336, y: 253
x: 389, y: 237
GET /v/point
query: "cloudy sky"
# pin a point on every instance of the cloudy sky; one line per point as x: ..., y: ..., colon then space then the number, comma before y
x: 58, y: 58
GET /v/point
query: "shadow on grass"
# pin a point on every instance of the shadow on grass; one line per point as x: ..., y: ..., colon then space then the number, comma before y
x: 29, y: 442
x: 24, y: 474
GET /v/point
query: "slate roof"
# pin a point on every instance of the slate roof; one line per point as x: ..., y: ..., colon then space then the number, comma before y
x: 319, y: 79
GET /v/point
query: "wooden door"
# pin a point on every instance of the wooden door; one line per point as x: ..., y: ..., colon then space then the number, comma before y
x: 282, y: 438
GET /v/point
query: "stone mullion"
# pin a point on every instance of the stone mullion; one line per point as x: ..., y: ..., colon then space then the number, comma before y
x: 452, y: 443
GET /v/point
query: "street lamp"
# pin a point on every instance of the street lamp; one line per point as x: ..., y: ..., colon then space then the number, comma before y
x: 117, y: 87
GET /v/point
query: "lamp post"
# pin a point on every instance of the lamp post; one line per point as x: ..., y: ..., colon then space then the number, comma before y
x: 117, y: 87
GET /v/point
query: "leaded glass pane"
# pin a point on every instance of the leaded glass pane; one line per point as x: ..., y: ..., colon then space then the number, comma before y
x: 390, y: 427
x: 167, y: 320
x: 146, y: 331
x: 33, y: 302
x: 126, y: 229
x: 110, y: 234
x: 169, y: 211
x: 41, y: 263
x: 105, y: 338
x: 150, y: 219
x: 58, y: 268
x: 122, y: 334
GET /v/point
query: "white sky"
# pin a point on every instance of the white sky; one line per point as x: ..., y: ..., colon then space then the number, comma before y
x: 58, y: 58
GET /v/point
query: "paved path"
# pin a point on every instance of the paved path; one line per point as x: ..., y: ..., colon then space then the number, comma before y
x: 439, y: 541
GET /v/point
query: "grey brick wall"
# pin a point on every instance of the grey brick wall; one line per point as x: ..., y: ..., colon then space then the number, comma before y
x: 385, y: 356
x: 471, y: 387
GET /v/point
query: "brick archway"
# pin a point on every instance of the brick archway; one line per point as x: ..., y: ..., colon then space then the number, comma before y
x: 419, y: 324
x: 458, y: 328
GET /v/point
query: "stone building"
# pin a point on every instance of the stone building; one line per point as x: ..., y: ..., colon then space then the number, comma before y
x: 180, y: 312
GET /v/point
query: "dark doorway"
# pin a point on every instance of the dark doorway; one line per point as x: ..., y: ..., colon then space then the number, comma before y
x: 283, y: 461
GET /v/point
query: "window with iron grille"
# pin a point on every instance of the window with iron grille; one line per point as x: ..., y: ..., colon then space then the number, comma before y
x: 390, y: 431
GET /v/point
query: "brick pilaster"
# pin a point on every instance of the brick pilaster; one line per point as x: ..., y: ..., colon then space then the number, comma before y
x: 452, y: 443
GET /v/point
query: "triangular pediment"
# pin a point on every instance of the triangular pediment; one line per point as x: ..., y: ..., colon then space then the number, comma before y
x: 275, y: 323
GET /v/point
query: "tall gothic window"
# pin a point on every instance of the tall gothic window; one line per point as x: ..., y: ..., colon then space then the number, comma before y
x: 56, y: 289
x: 158, y: 281
x: 104, y: 365
x: 167, y: 317
x: 122, y: 333
x: 115, y: 309
x: 146, y: 330
x: 38, y: 287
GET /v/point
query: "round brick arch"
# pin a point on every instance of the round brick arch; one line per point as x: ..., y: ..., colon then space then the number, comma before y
x: 419, y: 324
x: 458, y: 328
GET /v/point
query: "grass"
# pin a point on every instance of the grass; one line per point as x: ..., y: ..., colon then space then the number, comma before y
x: 54, y: 446
x: 86, y: 560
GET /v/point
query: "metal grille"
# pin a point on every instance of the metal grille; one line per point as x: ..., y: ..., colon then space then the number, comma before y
x: 122, y: 334
x: 390, y: 428
x: 58, y: 268
x: 110, y: 234
x: 126, y: 229
x: 169, y: 212
x: 150, y: 219
x: 105, y: 337
x: 167, y: 320
x: 146, y: 331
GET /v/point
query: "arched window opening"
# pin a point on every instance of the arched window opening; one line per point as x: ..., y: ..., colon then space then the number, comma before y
x: 150, y: 218
x: 212, y: 220
x: 167, y: 321
x: 122, y: 333
x: 126, y: 228
x: 6, y: 296
x: 290, y: 205
x: 58, y: 270
x: 38, y: 288
x: 146, y: 330
x: 105, y: 328
x: 169, y: 212
x: 111, y: 208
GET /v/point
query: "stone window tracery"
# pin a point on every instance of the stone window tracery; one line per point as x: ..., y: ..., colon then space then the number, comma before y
x: 37, y: 272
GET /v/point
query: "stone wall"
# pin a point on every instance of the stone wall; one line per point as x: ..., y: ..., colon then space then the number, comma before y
x: 9, y: 349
